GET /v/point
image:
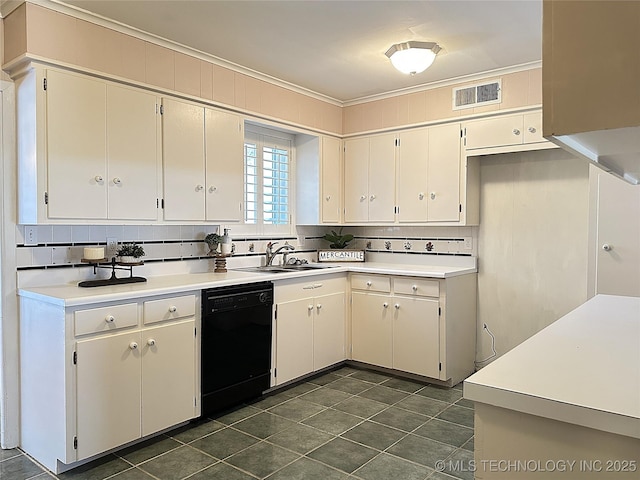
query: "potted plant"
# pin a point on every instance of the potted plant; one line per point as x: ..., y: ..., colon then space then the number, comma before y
x: 337, y: 240
x: 130, y: 253
x: 213, y: 240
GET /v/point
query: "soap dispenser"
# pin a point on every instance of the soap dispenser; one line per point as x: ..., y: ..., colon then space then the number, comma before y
x: 225, y: 243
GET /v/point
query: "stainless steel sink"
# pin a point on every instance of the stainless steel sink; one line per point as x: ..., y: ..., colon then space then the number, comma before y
x: 284, y: 268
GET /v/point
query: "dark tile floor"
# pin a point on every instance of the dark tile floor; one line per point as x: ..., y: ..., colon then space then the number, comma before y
x: 347, y: 424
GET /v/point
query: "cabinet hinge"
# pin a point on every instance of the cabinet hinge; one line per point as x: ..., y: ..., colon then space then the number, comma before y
x: 460, y: 208
x: 162, y: 204
x: 161, y: 109
x: 275, y: 315
x: 44, y: 84
x: 439, y: 311
x: 75, y: 358
x: 461, y: 133
x: 275, y: 372
x: 46, y: 198
x: 440, y: 367
x: 195, y: 332
x: 75, y: 443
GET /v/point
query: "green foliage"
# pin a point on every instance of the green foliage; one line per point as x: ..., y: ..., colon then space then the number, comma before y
x: 337, y: 240
x: 131, y: 250
x: 212, y: 239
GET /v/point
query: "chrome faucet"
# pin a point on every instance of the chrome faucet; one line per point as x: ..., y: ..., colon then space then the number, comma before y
x: 271, y: 253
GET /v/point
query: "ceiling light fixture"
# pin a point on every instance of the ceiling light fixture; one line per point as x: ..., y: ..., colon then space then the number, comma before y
x: 413, y: 57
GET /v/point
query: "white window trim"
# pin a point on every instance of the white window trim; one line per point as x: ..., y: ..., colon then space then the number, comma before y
x: 251, y: 131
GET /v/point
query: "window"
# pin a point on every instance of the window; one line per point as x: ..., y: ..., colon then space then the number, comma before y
x: 268, y: 180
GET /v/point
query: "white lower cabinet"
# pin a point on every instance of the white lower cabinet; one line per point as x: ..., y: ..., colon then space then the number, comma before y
x: 309, y: 326
x: 421, y: 326
x: 116, y: 372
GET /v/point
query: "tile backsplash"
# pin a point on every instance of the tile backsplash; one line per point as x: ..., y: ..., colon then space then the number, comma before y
x: 62, y: 245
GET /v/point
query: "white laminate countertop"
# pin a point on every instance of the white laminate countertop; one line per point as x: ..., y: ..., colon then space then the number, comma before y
x: 582, y: 369
x: 69, y: 295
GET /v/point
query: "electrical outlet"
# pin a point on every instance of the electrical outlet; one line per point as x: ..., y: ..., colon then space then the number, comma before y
x: 468, y: 243
x: 30, y: 237
x: 112, y: 247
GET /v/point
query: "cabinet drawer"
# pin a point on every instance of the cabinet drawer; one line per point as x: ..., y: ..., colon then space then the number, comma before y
x: 373, y: 283
x: 106, y: 318
x: 313, y: 286
x: 416, y: 286
x: 169, y: 308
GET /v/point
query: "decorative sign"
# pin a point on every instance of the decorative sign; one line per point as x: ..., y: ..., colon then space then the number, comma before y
x: 338, y: 255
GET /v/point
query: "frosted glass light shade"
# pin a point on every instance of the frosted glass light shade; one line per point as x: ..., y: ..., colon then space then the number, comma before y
x: 413, y: 57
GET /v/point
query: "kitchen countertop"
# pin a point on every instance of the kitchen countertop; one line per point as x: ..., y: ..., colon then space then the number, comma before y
x: 69, y: 295
x: 582, y: 369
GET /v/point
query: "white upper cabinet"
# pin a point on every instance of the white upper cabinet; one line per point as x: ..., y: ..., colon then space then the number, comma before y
x: 331, y: 179
x: 224, y: 147
x: 507, y: 133
x: 203, y: 163
x: 183, y: 160
x: 369, y: 179
x: 81, y: 138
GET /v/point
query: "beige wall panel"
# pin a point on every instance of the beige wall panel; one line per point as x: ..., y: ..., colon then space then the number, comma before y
x: 223, y: 85
x: 252, y: 88
x: 240, y: 90
x: 483, y: 109
x: 352, y: 118
x: 206, y: 80
x: 160, y: 66
x: 310, y: 112
x: 535, y: 87
x: 331, y: 118
x: 532, y: 243
x: 403, y: 109
x: 98, y: 48
x: 372, y: 116
x: 15, y: 33
x: 439, y: 103
x: 515, y: 90
x: 417, y: 107
x: 390, y: 113
x: 187, y: 74
x: 288, y: 105
x: 134, y: 61
x: 51, y: 34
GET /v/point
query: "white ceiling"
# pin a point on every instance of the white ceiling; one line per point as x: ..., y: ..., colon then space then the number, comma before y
x: 336, y: 48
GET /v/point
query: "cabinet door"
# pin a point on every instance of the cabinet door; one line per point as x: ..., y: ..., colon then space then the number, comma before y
x: 294, y: 339
x: 76, y: 146
x: 168, y: 375
x: 443, y: 175
x: 225, y: 165
x: 107, y: 392
x: 416, y: 338
x: 328, y: 330
x: 382, y: 174
x: 371, y: 329
x: 183, y: 160
x: 356, y: 180
x: 533, y: 128
x: 413, y: 158
x: 132, y: 157
x: 331, y: 172
x: 494, y: 132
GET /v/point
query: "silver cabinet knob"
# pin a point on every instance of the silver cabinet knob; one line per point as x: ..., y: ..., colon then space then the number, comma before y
x: 117, y: 181
x: 369, y: 283
x: 397, y: 306
x: 433, y: 195
x: 133, y: 345
x: 607, y: 248
x: 310, y: 307
x: 372, y: 197
x: 532, y: 130
x: 363, y: 197
x: 173, y: 309
x: 109, y: 319
x: 199, y: 188
x: 414, y: 288
x: 385, y: 305
x: 213, y: 189
x: 420, y: 196
x: 98, y: 178
x: 319, y: 306
x: 516, y: 131
x: 327, y: 198
x: 151, y: 342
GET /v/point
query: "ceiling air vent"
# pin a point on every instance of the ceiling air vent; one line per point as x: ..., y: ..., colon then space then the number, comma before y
x: 477, y: 95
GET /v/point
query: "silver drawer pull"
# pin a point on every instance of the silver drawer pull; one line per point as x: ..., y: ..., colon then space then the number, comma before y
x: 109, y: 319
x: 151, y: 342
x: 117, y: 181
x: 133, y: 345
x: 369, y: 283
x: 532, y: 130
x: 173, y: 309
x: 308, y: 287
x: 414, y: 288
x: 310, y: 307
x: 317, y: 285
x: 516, y: 131
x: 397, y: 306
x: 98, y: 178
x: 319, y: 306
x: 385, y: 305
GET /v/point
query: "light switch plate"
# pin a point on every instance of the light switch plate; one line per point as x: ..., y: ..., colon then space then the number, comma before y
x: 30, y: 235
x: 112, y: 247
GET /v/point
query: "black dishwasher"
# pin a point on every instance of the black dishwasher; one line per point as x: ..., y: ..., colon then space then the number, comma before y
x: 235, y: 344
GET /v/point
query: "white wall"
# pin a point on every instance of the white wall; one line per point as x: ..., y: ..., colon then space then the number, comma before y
x: 533, y: 243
